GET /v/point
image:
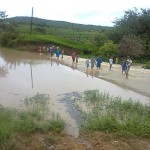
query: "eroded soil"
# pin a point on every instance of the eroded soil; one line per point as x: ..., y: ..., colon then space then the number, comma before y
x: 88, y: 141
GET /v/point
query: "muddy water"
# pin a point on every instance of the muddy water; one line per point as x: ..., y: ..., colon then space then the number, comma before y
x: 26, y: 74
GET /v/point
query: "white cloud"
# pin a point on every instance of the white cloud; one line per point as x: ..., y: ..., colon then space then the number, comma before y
x: 78, y: 11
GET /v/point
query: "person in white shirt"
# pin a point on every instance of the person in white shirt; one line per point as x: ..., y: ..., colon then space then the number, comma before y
x: 129, y: 62
x: 110, y: 63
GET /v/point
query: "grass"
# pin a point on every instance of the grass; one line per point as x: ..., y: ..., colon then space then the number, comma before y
x: 112, y: 114
x: 35, y: 117
x: 38, y: 38
x: 147, y: 65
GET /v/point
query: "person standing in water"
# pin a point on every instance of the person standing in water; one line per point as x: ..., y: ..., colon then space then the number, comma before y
x: 73, y: 56
x: 129, y: 62
x: 98, y: 62
x: 57, y: 53
x: 93, y: 62
x: 51, y: 51
x: 87, y: 63
x: 110, y: 63
x: 62, y: 53
x: 77, y: 58
x: 125, y: 68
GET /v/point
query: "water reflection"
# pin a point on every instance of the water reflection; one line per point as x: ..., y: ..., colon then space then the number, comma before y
x: 3, y: 71
x: 27, y: 74
x: 74, y: 65
x: 51, y: 61
x: 30, y: 73
x: 90, y: 72
x: 87, y: 72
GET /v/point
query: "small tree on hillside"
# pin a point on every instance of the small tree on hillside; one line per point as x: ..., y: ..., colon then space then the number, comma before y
x: 8, y: 31
x: 3, y: 15
x: 108, y: 49
x: 131, y: 46
x: 99, y: 41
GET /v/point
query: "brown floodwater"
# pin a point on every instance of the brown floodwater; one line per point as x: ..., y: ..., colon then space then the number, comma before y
x: 24, y: 74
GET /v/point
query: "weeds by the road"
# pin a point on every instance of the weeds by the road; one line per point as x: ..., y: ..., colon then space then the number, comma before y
x: 112, y: 114
x: 147, y: 65
x: 36, y: 117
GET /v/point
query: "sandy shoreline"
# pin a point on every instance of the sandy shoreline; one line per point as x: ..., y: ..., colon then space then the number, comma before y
x: 138, y: 81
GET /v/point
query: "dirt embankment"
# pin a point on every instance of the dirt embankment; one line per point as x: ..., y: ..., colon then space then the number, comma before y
x: 38, y: 47
x: 88, y: 141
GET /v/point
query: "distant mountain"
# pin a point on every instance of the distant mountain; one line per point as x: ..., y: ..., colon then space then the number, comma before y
x: 56, y: 24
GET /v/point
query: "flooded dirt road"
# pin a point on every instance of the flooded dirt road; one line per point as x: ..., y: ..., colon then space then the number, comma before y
x: 24, y: 74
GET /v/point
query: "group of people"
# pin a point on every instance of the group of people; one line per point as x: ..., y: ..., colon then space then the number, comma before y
x: 97, y: 61
x: 90, y: 62
x: 94, y: 61
x: 58, y: 52
x: 126, y: 64
x: 52, y: 50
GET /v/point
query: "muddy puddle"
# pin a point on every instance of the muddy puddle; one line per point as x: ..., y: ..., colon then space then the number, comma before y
x: 24, y: 74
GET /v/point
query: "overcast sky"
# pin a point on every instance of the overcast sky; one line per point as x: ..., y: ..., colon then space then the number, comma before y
x: 94, y: 12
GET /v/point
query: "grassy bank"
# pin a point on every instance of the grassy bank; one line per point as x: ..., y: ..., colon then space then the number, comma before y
x: 36, y: 117
x: 111, y: 114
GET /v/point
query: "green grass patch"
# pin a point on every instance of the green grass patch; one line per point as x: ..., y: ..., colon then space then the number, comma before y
x: 35, y: 117
x: 112, y: 114
x: 38, y: 38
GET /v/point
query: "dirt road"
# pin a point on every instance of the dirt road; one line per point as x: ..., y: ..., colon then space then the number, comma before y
x: 138, y: 81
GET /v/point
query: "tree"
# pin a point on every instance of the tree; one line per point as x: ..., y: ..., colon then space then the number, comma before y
x: 3, y: 15
x: 114, y: 35
x: 9, y: 34
x: 136, y: 23
x: 99, y: 41
x: 131, y: 45
x: 109, y: 49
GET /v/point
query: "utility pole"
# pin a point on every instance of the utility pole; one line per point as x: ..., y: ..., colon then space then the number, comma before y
x: 31, y: 22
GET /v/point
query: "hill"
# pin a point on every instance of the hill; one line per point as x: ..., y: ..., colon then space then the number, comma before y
x: 66, y: 34
x: 56, y: 24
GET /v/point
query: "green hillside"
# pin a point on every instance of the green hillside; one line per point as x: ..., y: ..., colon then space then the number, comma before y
x: 57, y: 24
x: 71, y: 35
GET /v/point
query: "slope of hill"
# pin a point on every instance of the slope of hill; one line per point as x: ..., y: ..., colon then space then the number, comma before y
x: 57, y: 24
x: 72, y: 35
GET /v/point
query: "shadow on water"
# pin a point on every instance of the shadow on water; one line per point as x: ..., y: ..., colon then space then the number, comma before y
x: 26, y: 74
